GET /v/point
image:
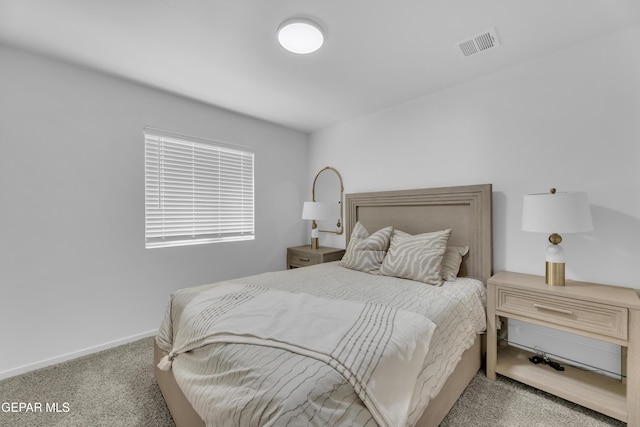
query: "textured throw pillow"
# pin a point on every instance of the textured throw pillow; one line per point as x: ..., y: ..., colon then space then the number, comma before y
x: 366, y: 252
x: 451, y: 262
x: 416, y: 257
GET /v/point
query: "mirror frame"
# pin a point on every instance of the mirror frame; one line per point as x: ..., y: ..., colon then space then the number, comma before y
x: 340, y: 223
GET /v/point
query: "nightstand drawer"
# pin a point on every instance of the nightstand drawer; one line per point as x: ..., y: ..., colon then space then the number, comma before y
x: 302, y: 256
x: 302, y: 259
x: 606, y: 320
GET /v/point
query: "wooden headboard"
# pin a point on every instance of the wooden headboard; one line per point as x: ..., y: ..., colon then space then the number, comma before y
x: 467, y: 210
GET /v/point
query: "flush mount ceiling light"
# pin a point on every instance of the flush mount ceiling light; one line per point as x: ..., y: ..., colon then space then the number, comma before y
x: 300, y: 35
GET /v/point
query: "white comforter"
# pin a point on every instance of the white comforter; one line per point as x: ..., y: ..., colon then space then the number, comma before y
x: 364, y: 342
x: 244, y: 384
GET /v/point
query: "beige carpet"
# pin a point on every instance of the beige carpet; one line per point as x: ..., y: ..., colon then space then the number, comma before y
x: 116, y: 388
x: 508, y: 403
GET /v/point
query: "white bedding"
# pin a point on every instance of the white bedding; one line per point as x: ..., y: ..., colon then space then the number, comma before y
x: 244, y: 384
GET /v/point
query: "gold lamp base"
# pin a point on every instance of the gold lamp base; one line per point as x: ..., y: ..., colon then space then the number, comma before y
x: 554, y: 273
x: 314, y: 243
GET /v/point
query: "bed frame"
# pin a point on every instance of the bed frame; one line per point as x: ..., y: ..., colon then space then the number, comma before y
x: 467, y: 210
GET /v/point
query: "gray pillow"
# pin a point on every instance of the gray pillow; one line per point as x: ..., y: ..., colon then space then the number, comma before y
x: 451, y: 262
x: 416, y: 257
x: 366, y: 252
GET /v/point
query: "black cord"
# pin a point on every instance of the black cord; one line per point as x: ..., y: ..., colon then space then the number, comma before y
x: 541, y: 357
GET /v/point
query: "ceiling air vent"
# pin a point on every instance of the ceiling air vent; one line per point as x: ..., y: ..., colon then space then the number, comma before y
x: 477, y: 43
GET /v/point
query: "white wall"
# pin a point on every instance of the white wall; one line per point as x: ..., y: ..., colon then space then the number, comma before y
x: 570, y: 120
x: 74, y: 273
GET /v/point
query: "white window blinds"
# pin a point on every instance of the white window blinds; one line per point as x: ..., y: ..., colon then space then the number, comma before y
x: 196, y: 191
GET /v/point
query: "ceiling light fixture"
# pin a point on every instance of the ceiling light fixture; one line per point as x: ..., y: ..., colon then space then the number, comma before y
x: 300, y: 35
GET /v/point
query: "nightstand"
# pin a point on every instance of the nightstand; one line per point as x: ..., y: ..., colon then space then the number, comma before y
x: 606, y: 313
x: 302, y: 256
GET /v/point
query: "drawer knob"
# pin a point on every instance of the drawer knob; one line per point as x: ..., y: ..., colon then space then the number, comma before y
x: 557, y: 310
x: 303, y: 259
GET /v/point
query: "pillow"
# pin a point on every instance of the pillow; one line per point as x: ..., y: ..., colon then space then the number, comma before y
x: 451, y: 262
x: 366, y: 252
x: 416, y: 257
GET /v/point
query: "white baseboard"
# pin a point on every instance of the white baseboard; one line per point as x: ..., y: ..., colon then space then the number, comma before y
x: 69, y: 356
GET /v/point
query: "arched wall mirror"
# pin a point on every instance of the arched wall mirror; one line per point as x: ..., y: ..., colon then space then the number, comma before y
x: 328, y: 189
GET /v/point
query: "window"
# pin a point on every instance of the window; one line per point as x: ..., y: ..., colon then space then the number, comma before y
x: 196, y: 191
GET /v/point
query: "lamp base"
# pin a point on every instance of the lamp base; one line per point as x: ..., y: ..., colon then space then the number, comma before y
x: 314, y: 243
x: 554, y: 273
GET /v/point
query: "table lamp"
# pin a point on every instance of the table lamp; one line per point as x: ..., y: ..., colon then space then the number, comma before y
x: 314, y: 211
x: 556, y: 212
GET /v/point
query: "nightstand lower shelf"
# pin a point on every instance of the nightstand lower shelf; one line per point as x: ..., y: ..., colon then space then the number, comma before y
x: 590, y: 389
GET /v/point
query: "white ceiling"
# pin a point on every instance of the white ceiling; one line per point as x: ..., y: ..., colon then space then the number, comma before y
x: 377, y: 53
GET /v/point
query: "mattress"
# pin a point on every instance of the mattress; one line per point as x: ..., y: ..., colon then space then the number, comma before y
x: 245, y: 384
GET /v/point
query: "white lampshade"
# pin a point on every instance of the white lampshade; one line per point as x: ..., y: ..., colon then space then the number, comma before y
x: 300, y: 35
x: 556, y: 213
x: 314, y: 210
x: 566, y: 212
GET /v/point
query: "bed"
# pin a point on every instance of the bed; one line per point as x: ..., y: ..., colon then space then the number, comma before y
x: 448, y: 318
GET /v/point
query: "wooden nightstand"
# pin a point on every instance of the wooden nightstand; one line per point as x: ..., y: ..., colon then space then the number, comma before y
x: 606, y: 313
x: 302, y: 256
